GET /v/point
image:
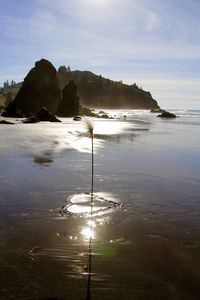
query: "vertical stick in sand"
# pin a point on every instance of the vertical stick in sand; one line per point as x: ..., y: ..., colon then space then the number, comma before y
x: 90, y: 134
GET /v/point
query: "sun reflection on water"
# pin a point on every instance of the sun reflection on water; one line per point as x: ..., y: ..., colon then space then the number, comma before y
x: 88, y: 233
x: 102, y: 128
x: 91, y: 223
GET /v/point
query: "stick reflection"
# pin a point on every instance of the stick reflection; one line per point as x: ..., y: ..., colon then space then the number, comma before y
x: 89, y: 234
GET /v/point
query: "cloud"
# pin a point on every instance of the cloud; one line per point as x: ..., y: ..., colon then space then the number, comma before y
x: 173, y: 93
x: 122, y: 38
x: 113, y: 30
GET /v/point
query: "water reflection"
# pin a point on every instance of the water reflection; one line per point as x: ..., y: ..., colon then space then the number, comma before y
x: 109, y: 130
x: 94, y: 213
x: 43, y: 160
x: 44, y: 142
x: 88, y: 233
x: 79, y: 205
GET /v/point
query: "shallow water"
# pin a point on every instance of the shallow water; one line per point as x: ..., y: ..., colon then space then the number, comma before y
x: 146, y: 229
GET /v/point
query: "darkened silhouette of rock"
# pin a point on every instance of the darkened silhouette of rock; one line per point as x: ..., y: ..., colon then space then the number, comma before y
x: 31, y: 120
x: 97, y: 91
x: 63, y: 75
x: 104, y: 116
x: 93, y: 90
x: 12, y: 111
x: 44, y: 115
x: 167, y: 114
x: 40, y: 88
x: 84, y: 111
x: 77, y: 118
x: 6, y: 122
x: 3, y: 100
x: 69, y: 105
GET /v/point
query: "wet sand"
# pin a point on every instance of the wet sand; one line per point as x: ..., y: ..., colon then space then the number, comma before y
x: 146, y: 237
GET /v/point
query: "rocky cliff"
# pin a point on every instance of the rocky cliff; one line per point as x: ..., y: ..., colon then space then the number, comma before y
x: 60, y: 91
x: 98, y: 92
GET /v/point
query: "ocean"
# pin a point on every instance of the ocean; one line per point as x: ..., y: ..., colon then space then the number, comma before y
x: 145, y: 231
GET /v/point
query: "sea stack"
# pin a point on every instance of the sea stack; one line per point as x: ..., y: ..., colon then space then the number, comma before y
x: 69, y: 105
x: 40, y: 89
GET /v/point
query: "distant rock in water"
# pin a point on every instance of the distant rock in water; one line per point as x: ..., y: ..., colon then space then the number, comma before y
x: 167, y: 114
x: 44, y: 115
x: 40, y: 88
x: 69, y: 105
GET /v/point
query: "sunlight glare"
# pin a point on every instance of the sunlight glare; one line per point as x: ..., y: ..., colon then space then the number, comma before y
x: 87, y: 233
x: 91, y: 223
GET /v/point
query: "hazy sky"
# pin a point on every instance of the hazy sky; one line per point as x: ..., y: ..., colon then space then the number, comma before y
x: 153, y: 43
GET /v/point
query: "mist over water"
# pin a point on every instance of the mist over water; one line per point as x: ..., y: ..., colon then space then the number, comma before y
x: 146, y: 240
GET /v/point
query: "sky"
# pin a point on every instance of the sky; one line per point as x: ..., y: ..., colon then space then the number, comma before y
x: 155, y: 44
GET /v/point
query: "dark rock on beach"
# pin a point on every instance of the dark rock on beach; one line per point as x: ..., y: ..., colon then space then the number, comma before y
x: 104, y: 116
x: 84, y: 111
x: 167, y: 114
x: 40, y: 88
x: 44, y: 115
x: 12, y: 111
x: 31, y: 120
x: 77, y: 118
x: 6, y: 122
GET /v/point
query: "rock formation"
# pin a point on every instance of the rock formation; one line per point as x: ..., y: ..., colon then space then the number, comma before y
x: 69, y: 105
x: 99, y: 92
x: 5, y: 122
x: 31, y: 120
x: 12, y: 111
x: 44, y: 115
x: 40, y: 88
x: 167, y: 114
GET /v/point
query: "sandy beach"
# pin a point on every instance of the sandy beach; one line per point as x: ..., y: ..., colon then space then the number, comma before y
x: 146, y: 233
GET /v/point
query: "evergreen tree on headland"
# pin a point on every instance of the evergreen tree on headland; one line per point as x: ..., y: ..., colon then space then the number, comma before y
x: 69, y: 105
x: 6, y: 84
x: 63, y: 75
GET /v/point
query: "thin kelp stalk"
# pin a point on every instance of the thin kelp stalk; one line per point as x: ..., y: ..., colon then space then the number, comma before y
x: 90, y: 134
x: 92, y: 185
